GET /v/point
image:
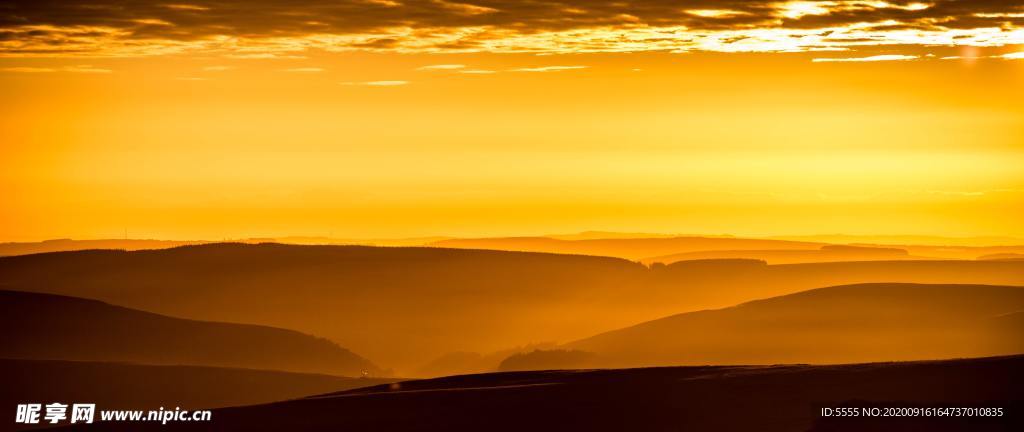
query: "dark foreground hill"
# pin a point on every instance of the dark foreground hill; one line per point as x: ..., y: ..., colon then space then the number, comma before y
x: 404, y: 307
x: 53, y: 327
x: 146, y: 387
x: 770, y: 398
x: 851, y: 323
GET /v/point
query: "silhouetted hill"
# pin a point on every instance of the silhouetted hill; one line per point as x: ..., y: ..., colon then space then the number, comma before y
x: 923, y: 240
x: 828, y: 253
x: 404, y: 306
x: 720, y: 283
x: 547, y: 360
x: 628, y: 248
x: 623, y: 245
x: 60, y: 245
x: 867, y: 322
x: 462, y: 362
x: 649, y: 248
x: 1003, y: 256
x: 458, y: 362
x: 146, y: 387
x: 603, y: 235
x: 751, y: 398
x: 53, y: 327
x: 399, y: 306
x: 957, y: 252
x: 66, y: 245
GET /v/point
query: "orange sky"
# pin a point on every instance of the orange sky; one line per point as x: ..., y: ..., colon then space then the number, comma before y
x: 166, y: 131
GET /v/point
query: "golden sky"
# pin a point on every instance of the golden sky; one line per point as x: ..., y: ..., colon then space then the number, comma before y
x: 370, y: 118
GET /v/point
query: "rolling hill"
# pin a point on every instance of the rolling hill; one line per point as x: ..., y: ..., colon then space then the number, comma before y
x: 841, y: 324
x: 403, y: 307
x: 668, y: 249
x: 828, y: 253
x: 66, y: 245
x: 62, y: 245
x: 1003, y: 256
x: 709, y: 284
x: 399, y: 306
x: 746, y: 398
x: 53, y: 327
x: 627, y: 248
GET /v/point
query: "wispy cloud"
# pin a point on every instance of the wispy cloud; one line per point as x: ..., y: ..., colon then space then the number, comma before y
x: 477, y: 71
x: 548, y: 69
x: 386, y: 83
x: 186, y: 7
x: 87, y: 69
x: 153, y: 22
x: 463, y: 8
x: 1000, y: 15
x: 877, y: 58
x: 266, y: 56
x: 28, y: 70
x: 1008, y: 56
x: 306, y: 70
x: 218, y: 68
x: 73, y: 69
x: 441, y: 67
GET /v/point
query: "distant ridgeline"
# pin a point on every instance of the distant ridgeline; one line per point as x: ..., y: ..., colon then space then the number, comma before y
x: 407, y: 307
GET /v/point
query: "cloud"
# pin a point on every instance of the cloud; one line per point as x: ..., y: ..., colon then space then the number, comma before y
x: 392, y: 83
x: 477, y: 71
x: 87, y: 69
x: 548, y: 69
x: 1000, y: 15
x: 264, y: 56
x: 186, y: 7
x: 306, y: 70
x: 152, y: 21
x: 971, y: 58
x: 877, y: 58
x: 442, y: 67
x: 217, y: 68
x: 28, y: 70
x: 255, y: 28
x: 464, y: 8
x: 73, y: 69
x: 715, y: 13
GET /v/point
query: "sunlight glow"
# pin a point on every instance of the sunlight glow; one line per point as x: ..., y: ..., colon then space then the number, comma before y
x: 714, y: 13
